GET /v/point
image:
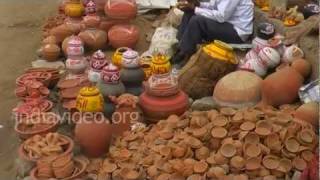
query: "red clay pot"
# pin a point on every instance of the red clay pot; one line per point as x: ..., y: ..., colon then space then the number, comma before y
x: 123, y: 35
x: 94, y: 136
x: 121, y: 9
x: 281, y: 87
x: 309, y: 112
x: 302, y: 66
x: 94, y: 39
x: 157, y: 108
x: 107, y: 23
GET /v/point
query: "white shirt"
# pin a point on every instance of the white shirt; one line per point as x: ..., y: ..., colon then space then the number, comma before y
x: 237, y: 12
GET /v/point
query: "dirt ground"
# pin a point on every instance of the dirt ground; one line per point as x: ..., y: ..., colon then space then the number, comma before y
x: 20, y: 26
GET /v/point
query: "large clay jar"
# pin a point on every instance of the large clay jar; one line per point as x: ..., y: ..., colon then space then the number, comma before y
x: 94, y: 136
x: 132, y: 75
x: 121, y: 9
x: 156, y: 106
x: 94, y: 39
x: 117, y: 56
x: 309, y: 112
x: 238, y: 90
x: 281, y: 87
x: 123, y: 35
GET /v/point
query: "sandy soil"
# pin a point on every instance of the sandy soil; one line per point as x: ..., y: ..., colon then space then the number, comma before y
x: 20, y: 26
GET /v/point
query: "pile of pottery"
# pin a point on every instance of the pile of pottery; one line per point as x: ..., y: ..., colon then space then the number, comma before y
x: 37, y: 124
x: 247, y: 144
x: 32, y: 106
x: 63, y: 167
x: 268, y: 51
x: 69, y: 90
x: 51, y: 144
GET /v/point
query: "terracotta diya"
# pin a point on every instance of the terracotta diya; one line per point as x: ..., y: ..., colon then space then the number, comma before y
x: 271, y: 162
x: 252, y: 150
x: 253, y: 163
x: 219, y: 132
x: 220, y: 121
x: 237, y: 162
x: 228, y: 150
x: 247, y: 126
x: 263, y: 128
x: 292, y: 145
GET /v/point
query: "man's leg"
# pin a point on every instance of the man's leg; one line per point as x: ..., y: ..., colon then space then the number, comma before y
x: 184, y: 23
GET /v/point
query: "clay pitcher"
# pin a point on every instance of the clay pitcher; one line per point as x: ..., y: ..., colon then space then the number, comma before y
x: 94, y: 136
x: 281, y: 87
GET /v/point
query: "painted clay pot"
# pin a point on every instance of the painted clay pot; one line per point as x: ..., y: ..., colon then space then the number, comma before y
x: 255, y: 65
x: 238, y: 89
x: 157, y: 108
x: 97, y: 63
x: 162, y: 85
x: 291, y: 53
x: 309, y: 112
x: 117, y: 56
x: 160, y: 64
x: 74, y: 8
x: 73, y: 46
x: 265, y: 31
x: 302, y: 66
x: 269, y: 57
x: 281, y: 87
x: 51, y: 52
x: 110, y: 74
x: 90, y: 100
x: 110, y: 84
x: 146, y: 63
x: 124, y: 9
x: 123, y: 35
x: 259, y: 44
x: 94, y: 39
x: 94, y: 137
x: 76, y: 65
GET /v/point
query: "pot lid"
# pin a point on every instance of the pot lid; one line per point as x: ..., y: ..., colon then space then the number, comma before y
x: 99, y: 55
x: 252, y: 150
x: 285, y: 164
x: 299, y: 163
x: 89, y: 91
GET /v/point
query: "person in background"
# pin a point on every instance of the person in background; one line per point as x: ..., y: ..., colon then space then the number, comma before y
x: 230, y: 21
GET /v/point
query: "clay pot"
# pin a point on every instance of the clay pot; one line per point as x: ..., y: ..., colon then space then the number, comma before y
x: 94, y: 137
x: 123, y: 35
x: 269, y: 57
x: 52, y: 127
x: 291, y: 53
x: 73, y: 46
x: 51, y: 52
x: 234, y: 90
x: 126, y: 9
x: 91, y: 21
x: 281, y: 87
x: 100, y: 5
x: 117, y: 56
x: 76, y: 65
x: 308, y: 112
x: 80, y: 164
x: 74, y: 8
x: 90, y: 100
x: 110, y: 74
x: 160, y: 64
x: 94, y: 38
x: 49, y: 40
x: 155, y: 108
x: 62, y: 31
x: 259, y: 44
x: 255, y: 65
x: 302, y: 66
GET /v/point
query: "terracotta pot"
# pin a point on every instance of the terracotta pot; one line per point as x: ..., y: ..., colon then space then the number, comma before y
x: 302, y: 66
x: 94, y: 137
x: 309, y: 112
x: 107, y: 23
x: 62, y: 31
x: 53, y: 118
x: 94, y: 38
x: 156, y: 108
x: 74, y: 8
x: 51, y: 52
x: 126, y: 9
x: 238, y: 89
x: 281, y: 87
x: 259, y: 44
x: 100, y: 5
x: 73, y: 46
x: 67, y: 150
x: 291, y: 53
x: 269, y: 57
x: 76, y: 65
x: 91, y: 21
x: 123, y: 35
x: 49, y: 40
x: 111, y: 89
x: 80, y: 164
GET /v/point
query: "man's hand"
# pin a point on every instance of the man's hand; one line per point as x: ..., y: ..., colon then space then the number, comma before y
x: 187, y: 5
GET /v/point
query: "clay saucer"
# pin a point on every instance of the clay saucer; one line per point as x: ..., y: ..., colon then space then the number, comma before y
x: 307, y: 155
x: 68, y: 83
x: 271, y: 162
x: 194, y: 142
x: 252, y: 150
x: 109, y: 167
x: 220, y: 121
x: 285, y: 153
x: 193, y: 177
x: 228, y: 111
x: 165, y: 151
x: 292, y: 145
x: 210, y: 160
x: 202, y: 153
x: 228, y: 150
x: 237, y: 118
x: 220, y: 159
x: 299, y: 163
x: 264, y: 149
x: 212, y: 114
x: 285, y: 165
x: 253, y: 163
x: 200, y: 132
x: 263, y: 128
x: 70, y: 104
x: 252, y: 138
x: 283, y: 118
x: 306, y: 136
x: 242, y: 135
x: 200, y: 167
x: 70, y: 93
x: 219, y: 132
x: 237, y: 162
x: 247, y: 126
x: 269, y: 177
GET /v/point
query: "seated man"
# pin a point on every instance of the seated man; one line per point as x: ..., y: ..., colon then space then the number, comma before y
x: 230, y: 21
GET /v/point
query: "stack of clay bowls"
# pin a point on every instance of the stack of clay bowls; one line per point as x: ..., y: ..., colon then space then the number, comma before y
x: 54, y: 78
x: 69, y: 90
x: 32, y: 106
x: 246, y: 144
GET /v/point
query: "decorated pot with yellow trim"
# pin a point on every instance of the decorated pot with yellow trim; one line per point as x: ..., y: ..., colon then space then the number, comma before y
x: 221, y: 51
x: 145, y: 63
x: 90, y: 100
x: 117, y: 56
x: 74, y: 8
x: 160, y: 64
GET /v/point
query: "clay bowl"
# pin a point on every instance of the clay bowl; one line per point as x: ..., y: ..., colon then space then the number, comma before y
x: 54, y: 119
x: 263, y: 128
x: 68, y: 83
x: 271, y: 162
x: 219, y: 132
x: 253, y: 163
x: 306, y: 136
x: 70, y: 93
x: 292, y: 145
x: 68, y: 150
x: 80, y: 165
x: 237, y: 162
x: 228, y: 150
x: 252, y: 150
x: 247, y: 126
